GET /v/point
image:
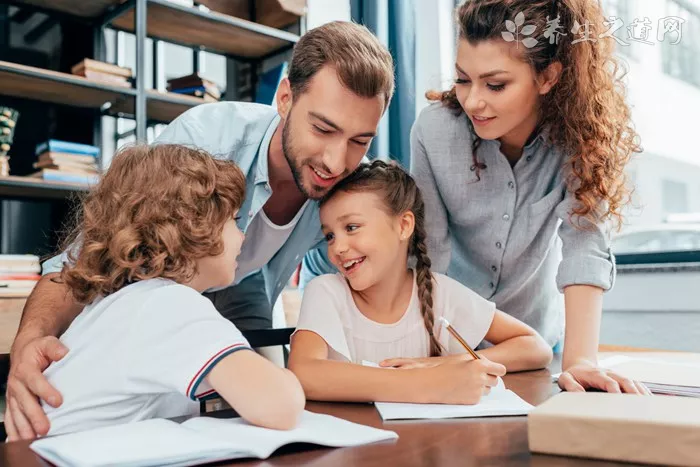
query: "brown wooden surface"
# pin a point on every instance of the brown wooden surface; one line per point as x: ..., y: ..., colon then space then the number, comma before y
x: 464, y: 442
x: 83, y: 8
x: 172, y: 24
x: 10, y: 313
x: 274, y: 13
x: 36, y: 83
x: 28, y: 187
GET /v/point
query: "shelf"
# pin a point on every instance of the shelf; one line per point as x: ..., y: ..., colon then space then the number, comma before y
x: 25, y: 187
x: 80, y: 8
x: 60, y: 88
x: 63, y: 88
x: 161, y: 107
x: 213, y: 31
x: 274, y: 13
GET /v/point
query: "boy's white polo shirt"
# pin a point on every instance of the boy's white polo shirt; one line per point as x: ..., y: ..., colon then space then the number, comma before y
x: 142, y: 352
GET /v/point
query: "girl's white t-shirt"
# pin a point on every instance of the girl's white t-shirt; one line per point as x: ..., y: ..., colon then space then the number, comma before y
x: 329, y: 310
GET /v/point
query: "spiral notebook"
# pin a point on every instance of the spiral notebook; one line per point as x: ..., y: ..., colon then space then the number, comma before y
x: 197, y: 441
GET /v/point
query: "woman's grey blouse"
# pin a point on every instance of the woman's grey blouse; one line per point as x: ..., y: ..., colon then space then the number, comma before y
x: 509, y: 235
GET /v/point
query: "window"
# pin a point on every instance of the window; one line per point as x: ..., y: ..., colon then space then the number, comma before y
x: 682, y: 60
x: 674, y: 196
x: 621, y: 9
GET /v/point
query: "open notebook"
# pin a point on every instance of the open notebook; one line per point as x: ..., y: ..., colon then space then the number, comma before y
x: 197, y: 441
x: 500, y: 402
x: 660, y: 376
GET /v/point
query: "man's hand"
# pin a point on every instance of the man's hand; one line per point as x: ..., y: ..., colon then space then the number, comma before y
x: 585, y: 375
x: 26, y: 385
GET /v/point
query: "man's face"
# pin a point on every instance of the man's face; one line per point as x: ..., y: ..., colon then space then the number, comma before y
x: 327, y: 132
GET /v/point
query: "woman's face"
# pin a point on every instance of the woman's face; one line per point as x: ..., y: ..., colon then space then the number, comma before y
x: 497, y: 89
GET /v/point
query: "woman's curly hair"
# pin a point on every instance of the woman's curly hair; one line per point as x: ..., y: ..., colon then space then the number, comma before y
x: 154, y: 213
x: 585, y: 111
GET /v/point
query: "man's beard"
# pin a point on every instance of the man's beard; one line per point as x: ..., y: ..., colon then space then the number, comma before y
x: 291, y: 157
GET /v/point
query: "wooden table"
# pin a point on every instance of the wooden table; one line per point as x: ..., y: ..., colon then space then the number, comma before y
x: 464, y: 442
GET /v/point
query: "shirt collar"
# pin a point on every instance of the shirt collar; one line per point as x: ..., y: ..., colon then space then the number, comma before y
x: 261, y: 174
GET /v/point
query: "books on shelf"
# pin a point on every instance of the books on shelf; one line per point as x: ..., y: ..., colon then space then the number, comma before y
x: 103, y: 72
x: 195, y: 85
x: 18, y: 275
x: 63, y: 161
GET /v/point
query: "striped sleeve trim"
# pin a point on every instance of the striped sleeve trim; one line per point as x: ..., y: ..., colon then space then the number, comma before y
x: 206, y: 368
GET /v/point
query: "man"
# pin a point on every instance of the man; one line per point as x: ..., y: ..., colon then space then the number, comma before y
x: 340, y: 83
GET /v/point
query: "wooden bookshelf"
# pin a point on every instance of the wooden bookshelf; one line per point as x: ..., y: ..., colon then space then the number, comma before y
x: 60, y: 88
x: 80, y: 8
x: 216, y: 32
x: 162, y: 107
x: 274, y: 13
x: 27, y: 187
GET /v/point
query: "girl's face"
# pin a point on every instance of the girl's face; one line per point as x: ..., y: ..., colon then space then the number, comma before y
x: 498, y: 90
x: 220, y: 271
x: 364, y: 242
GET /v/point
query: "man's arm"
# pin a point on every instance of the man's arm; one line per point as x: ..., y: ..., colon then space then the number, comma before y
x: 47, y: 314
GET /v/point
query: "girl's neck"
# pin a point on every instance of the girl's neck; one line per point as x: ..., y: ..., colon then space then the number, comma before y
x: 386, y: 301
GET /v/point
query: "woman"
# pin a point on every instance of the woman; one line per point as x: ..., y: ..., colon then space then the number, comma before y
x: 526, y: 154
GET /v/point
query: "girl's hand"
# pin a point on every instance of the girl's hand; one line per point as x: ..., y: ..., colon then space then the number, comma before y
x: 459, y: 382
x: 428, y: 362
x: 585, y: 375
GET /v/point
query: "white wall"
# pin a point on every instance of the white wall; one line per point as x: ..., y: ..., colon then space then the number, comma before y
x: 324, y: 11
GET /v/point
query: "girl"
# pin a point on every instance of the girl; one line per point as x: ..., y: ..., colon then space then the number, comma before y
x: 527, y: 149
x: 380, y: 310
x: 155, y: 232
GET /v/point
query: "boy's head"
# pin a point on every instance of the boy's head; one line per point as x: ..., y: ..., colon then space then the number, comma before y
x: 341, y: 80
x: 159, y: 211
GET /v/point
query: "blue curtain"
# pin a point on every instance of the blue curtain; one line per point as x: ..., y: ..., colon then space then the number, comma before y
x: 394, y: 23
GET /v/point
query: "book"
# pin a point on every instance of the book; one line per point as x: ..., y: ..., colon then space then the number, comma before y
x: 197, y: 441
x: 95, y: 65
x: 58, y: 176
x: 106, y: 78
x: 18, y: 284
x: 69, y: 168
x: 660, y: 376
x: 618, y: 427
x: 54, y: 145
x: 19, y: 264
x: 199, y: 91
x: 64, y: 157
x: 500, y: 402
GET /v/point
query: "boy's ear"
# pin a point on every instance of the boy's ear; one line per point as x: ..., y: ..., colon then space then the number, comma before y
x: 283, y: 98
x: 407, y: 224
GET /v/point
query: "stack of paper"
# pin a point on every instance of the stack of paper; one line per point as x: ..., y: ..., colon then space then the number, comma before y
x: 500, y: 402
x: 660, y: 376
x: 196, y: 441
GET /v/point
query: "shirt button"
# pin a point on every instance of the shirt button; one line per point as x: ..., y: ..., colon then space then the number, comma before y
x: 511, y: 185
x: 250, y: 213
x: 498, y: 245
x: 506, y: 217
x: 494, y: 268
x: 528, y: 158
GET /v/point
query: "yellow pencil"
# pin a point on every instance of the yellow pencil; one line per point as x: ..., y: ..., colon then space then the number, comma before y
x: 459, y: 338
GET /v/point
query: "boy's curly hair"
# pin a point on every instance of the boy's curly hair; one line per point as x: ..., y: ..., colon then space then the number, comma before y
x: 156, y: 210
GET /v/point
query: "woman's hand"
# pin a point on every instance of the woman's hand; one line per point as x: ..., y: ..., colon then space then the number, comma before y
x: 585, y: 375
